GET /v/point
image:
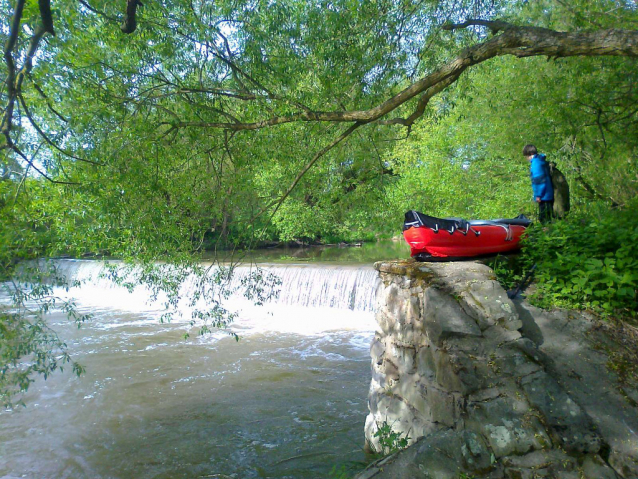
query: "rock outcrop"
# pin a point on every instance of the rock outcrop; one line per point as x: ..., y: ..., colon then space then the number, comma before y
x: 458, y: 369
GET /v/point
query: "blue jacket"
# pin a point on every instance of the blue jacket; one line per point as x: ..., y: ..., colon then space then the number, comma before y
x: 541, y: 179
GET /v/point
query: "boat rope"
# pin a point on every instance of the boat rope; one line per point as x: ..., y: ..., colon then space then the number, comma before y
x: 508, y: 232
x: 454, y: 228
x: 469, y: 228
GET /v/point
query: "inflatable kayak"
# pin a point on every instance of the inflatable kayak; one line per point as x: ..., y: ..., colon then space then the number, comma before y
x: 433, y: 238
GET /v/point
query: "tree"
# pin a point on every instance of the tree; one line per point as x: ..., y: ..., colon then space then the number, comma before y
x: 147, y: 132
x: 238, y: 52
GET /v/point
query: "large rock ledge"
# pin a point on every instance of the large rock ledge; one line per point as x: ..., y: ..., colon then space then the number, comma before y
x: 487, y: 387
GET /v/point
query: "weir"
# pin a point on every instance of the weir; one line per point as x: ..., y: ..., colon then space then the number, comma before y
x: 346, y: 287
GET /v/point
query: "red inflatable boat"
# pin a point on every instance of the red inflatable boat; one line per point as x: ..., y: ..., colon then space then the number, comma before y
x: 433, y: 238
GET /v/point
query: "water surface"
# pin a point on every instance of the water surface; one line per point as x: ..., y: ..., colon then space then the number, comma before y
x: 287, y: 400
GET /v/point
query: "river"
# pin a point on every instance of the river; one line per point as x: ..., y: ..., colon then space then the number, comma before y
x: 286, y: 401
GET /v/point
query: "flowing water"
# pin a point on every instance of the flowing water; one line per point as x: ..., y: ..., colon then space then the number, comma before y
x: 287, y: 400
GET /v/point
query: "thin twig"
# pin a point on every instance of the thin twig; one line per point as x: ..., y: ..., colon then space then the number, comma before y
x: 309, y: 165
x: 46, y: 138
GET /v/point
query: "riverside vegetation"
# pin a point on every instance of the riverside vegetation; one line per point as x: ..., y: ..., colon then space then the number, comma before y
x: 155, y: 132
x: 587, y: 261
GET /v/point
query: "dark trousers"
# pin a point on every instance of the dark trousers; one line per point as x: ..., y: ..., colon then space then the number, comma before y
x: 546, y: 211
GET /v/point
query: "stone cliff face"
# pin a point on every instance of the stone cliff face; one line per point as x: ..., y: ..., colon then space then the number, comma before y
x: 452, y: 371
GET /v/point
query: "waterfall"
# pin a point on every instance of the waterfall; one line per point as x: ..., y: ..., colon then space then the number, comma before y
x: 339, y: 287
x: 312, y: 299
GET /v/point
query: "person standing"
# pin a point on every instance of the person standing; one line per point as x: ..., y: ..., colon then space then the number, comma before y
x: 541, y: 183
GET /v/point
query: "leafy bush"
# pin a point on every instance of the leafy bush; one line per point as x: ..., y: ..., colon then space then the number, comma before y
x: 339, y: 472
x: 296, y: 220
x: 390, y: 440
x: 587, y: 261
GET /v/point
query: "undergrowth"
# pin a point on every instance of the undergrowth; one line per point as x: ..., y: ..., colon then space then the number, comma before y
x: 390, y: 441
x: 588, y: 261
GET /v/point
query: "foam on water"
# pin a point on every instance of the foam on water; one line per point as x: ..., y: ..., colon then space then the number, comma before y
x: 314, y: 300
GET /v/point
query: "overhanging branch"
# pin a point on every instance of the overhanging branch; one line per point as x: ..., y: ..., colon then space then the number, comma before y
x: 46, y: 138
x: 29, y: 162
x: 510, y: 40
x: 15, y: 78
x: 130, y: 22
x: 277, y: 204
x: 11, y: 69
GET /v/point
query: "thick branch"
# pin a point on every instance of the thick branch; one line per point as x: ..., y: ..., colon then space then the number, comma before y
x: 11, y: 68
x: 28, y: 61
x: 514, y: 40
x: 423, y: 103
x: 45, y: 15
x: 15, y: 79
x: 130, y: 23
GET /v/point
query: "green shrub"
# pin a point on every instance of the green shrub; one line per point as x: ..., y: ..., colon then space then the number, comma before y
x: 587, y: 261
x: 390, y: 440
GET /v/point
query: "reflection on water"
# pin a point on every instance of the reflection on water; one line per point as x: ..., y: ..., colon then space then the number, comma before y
x: 366, y: 253
x: 283, y: 402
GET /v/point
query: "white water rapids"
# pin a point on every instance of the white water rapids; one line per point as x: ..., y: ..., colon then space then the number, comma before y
x: 305, y: 290
x: 287, y: 400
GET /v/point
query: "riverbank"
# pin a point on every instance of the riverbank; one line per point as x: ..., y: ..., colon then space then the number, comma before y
x: 495, y: 388
x: 364, y: 253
